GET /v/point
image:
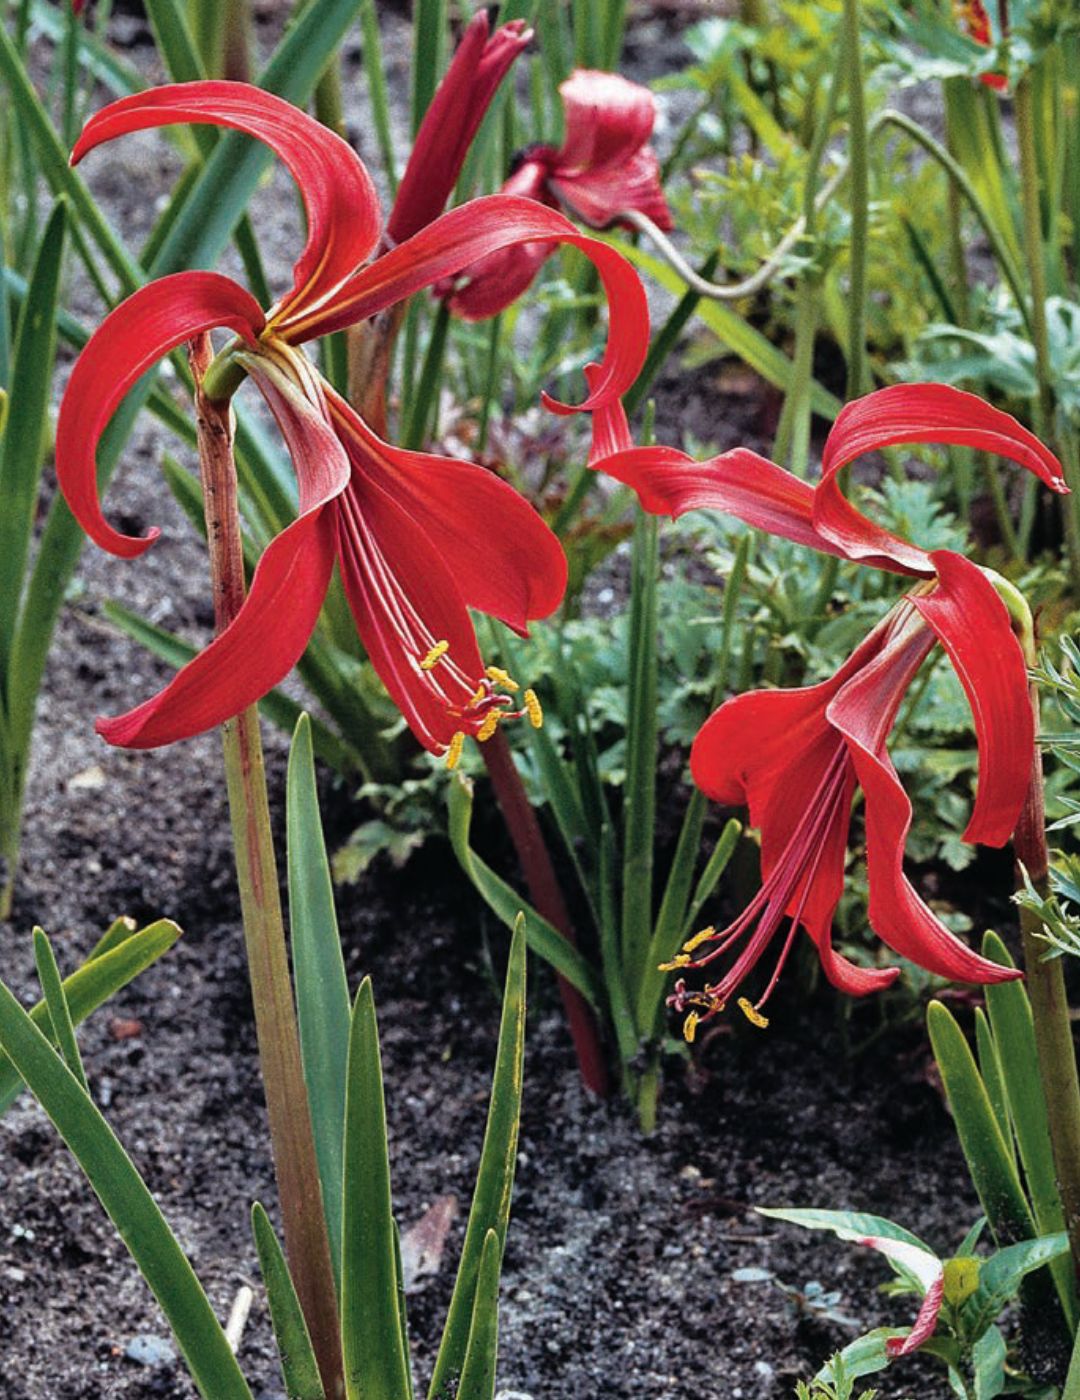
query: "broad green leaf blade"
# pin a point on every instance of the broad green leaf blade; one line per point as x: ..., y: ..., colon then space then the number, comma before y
x: 1002, y: 1274
x: 988, y: 1364
x: 478, y: 1373
x: 63, y: 1030
x: 322, y: 990
x: 23, y: 444
x: 1014, y: 1033
x: 127, y: 1202
x: 376, y: 1363
x: 506, y: 903
x: 845, y: 1224
x: 863, y: 1357
x: 299, y: 1369
x: 99, y: 978
x: 490, y: 1210
x: 993, y: 1172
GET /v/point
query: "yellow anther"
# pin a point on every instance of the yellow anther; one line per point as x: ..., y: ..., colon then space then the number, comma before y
x: 501, y: 677
x: 480, y: 693
x: 752, y: 1014
x: 679, y: 960
x: 489, y: 726
x: 434, y: 656
x: 689, y: 1028
x: 453, y: 753
x: 702, y: 936
x: 532, y: 709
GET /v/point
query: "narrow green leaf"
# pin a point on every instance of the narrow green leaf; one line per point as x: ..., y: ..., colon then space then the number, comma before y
x: 128, y: 1203
x: 478, y: 1373
x: 322, y: 990
x: 299, y: 1369
x: 506, y: 903
x: 99, y: 978
x: 710, y: 876
x: 63, y: 1030
x: 25, y: 430
x: 429, y: 53
x: 119, y: 931
x: 990, y: 1069
x: 376, y: 1363
x: 120, y: 78
x: 628, y: 1031
x: 490, y: 1210
x: 375, y: 73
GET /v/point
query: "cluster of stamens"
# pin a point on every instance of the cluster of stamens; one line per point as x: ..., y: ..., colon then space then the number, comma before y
x: 488, y: 706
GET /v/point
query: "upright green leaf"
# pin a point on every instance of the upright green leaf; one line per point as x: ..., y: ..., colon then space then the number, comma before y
x: 990, y: 1069
x: 299, y: 1369
x: 376, y: 1360
x: 128, y: 1203
x: 429, y: 54
x: 490, y: 1210
x: 322, y: 990
x: 478, y: 1373
x: 63, y: 1029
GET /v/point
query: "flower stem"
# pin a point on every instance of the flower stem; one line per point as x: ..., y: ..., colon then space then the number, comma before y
x: 291, y: 1137
x: 860, y: 200
x: 544, y: 890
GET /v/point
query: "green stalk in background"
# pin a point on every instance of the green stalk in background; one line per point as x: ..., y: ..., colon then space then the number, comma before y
x: 857, y: 382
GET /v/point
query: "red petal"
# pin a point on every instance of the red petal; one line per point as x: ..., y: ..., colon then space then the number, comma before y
x: 342, y: 206
x: 599, y: 196
x: 504, y: 560
x: 863, y: 711
x: 610, y: 429
x: 452, y: 120
x: 608, y: 120
x: 914, y: 413
x: 150, y: 323
x: 930, y: 1272
x: 476, y: 230
x: 972, y: 623
x: 253, y: 654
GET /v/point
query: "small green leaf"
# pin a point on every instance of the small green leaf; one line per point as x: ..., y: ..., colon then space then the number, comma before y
x: 845, y: 1224
x: 299, y: 1369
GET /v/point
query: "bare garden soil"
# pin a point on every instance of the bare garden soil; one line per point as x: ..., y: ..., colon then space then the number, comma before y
x: 618, y: 1276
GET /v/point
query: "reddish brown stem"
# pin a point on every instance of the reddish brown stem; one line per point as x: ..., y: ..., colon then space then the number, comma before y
x: 293, y: 1144
x: 547, y: 896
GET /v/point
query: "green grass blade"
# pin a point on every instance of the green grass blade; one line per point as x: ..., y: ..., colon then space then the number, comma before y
x: 990, y: 1069
x: 118, y: 932
x: 299, y: 1369
x: 25, y: 431
x: 375, y: 73
x: 63, y: 1029
x: 322, y: 991
x: 490, y: 1211
x: 120, y: 78
x: 99, y: 978
x: 376, y: 1362
x: 128, y: 1203
x: 507, y: 904
x: 478, y: 1373
x: 429, y: 54
x: 714, y: 868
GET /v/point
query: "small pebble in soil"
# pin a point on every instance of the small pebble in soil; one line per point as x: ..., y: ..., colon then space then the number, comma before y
x: 149, y: 1350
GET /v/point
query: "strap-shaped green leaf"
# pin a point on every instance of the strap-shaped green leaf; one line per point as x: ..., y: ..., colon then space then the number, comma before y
x: 299, y: 1369
x: 127, y: 1201
x: 505, y: 902
x: 490, y: 1211
x: 63, y: 1029
x: 99, y: 978
x: 478, y: 1373
x: 373, y: 1346
x: 322, y: 990
x: 990, y: 1069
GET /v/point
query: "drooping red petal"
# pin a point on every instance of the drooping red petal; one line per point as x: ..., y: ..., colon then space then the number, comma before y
x: 476, y: 230
x: 504, y: 560
x: 863, y: 711
x: 610, y: 429
x: 608, y: 120
x: 930, y: 1272
x: 599, y: 196
x: 925, y: 413
x: 972, y: 623
x: 450, y: 123
x: 131, y: 339
x: 343, y: 214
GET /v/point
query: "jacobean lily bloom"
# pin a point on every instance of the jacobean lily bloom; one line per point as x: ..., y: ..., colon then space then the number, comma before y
x: 973, y: 17
x: 604, y: 167
x: 795, y: 757
x: 419, y: 539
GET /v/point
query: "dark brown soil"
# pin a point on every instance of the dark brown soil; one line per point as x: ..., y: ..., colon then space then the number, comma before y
x: 618, y: 1277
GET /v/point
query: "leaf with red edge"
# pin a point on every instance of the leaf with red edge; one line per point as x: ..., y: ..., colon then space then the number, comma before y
x: 930, y: 1272
x: 150, y: 323
x: 343, y: 214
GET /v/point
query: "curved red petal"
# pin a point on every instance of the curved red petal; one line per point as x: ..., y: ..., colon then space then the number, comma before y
x: 478, y: 67
x: 131, y: 339
x: 598, y: 197
x: 476, y: 230
x: 608, y: 119
x: 253, y: 654
x: 930, y: 1272
x: 925, y: 413
x: 610, y: 428
x: 972, y: 623
x: 503, y: 558
x: 343, y: 214
x: 863, y: 711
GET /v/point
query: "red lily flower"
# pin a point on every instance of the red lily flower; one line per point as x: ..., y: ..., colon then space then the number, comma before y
x: 973, y: 16
x: 478, y: 67
x: 418, y: 539
x: 604, y: 166
x: 795, y: 757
